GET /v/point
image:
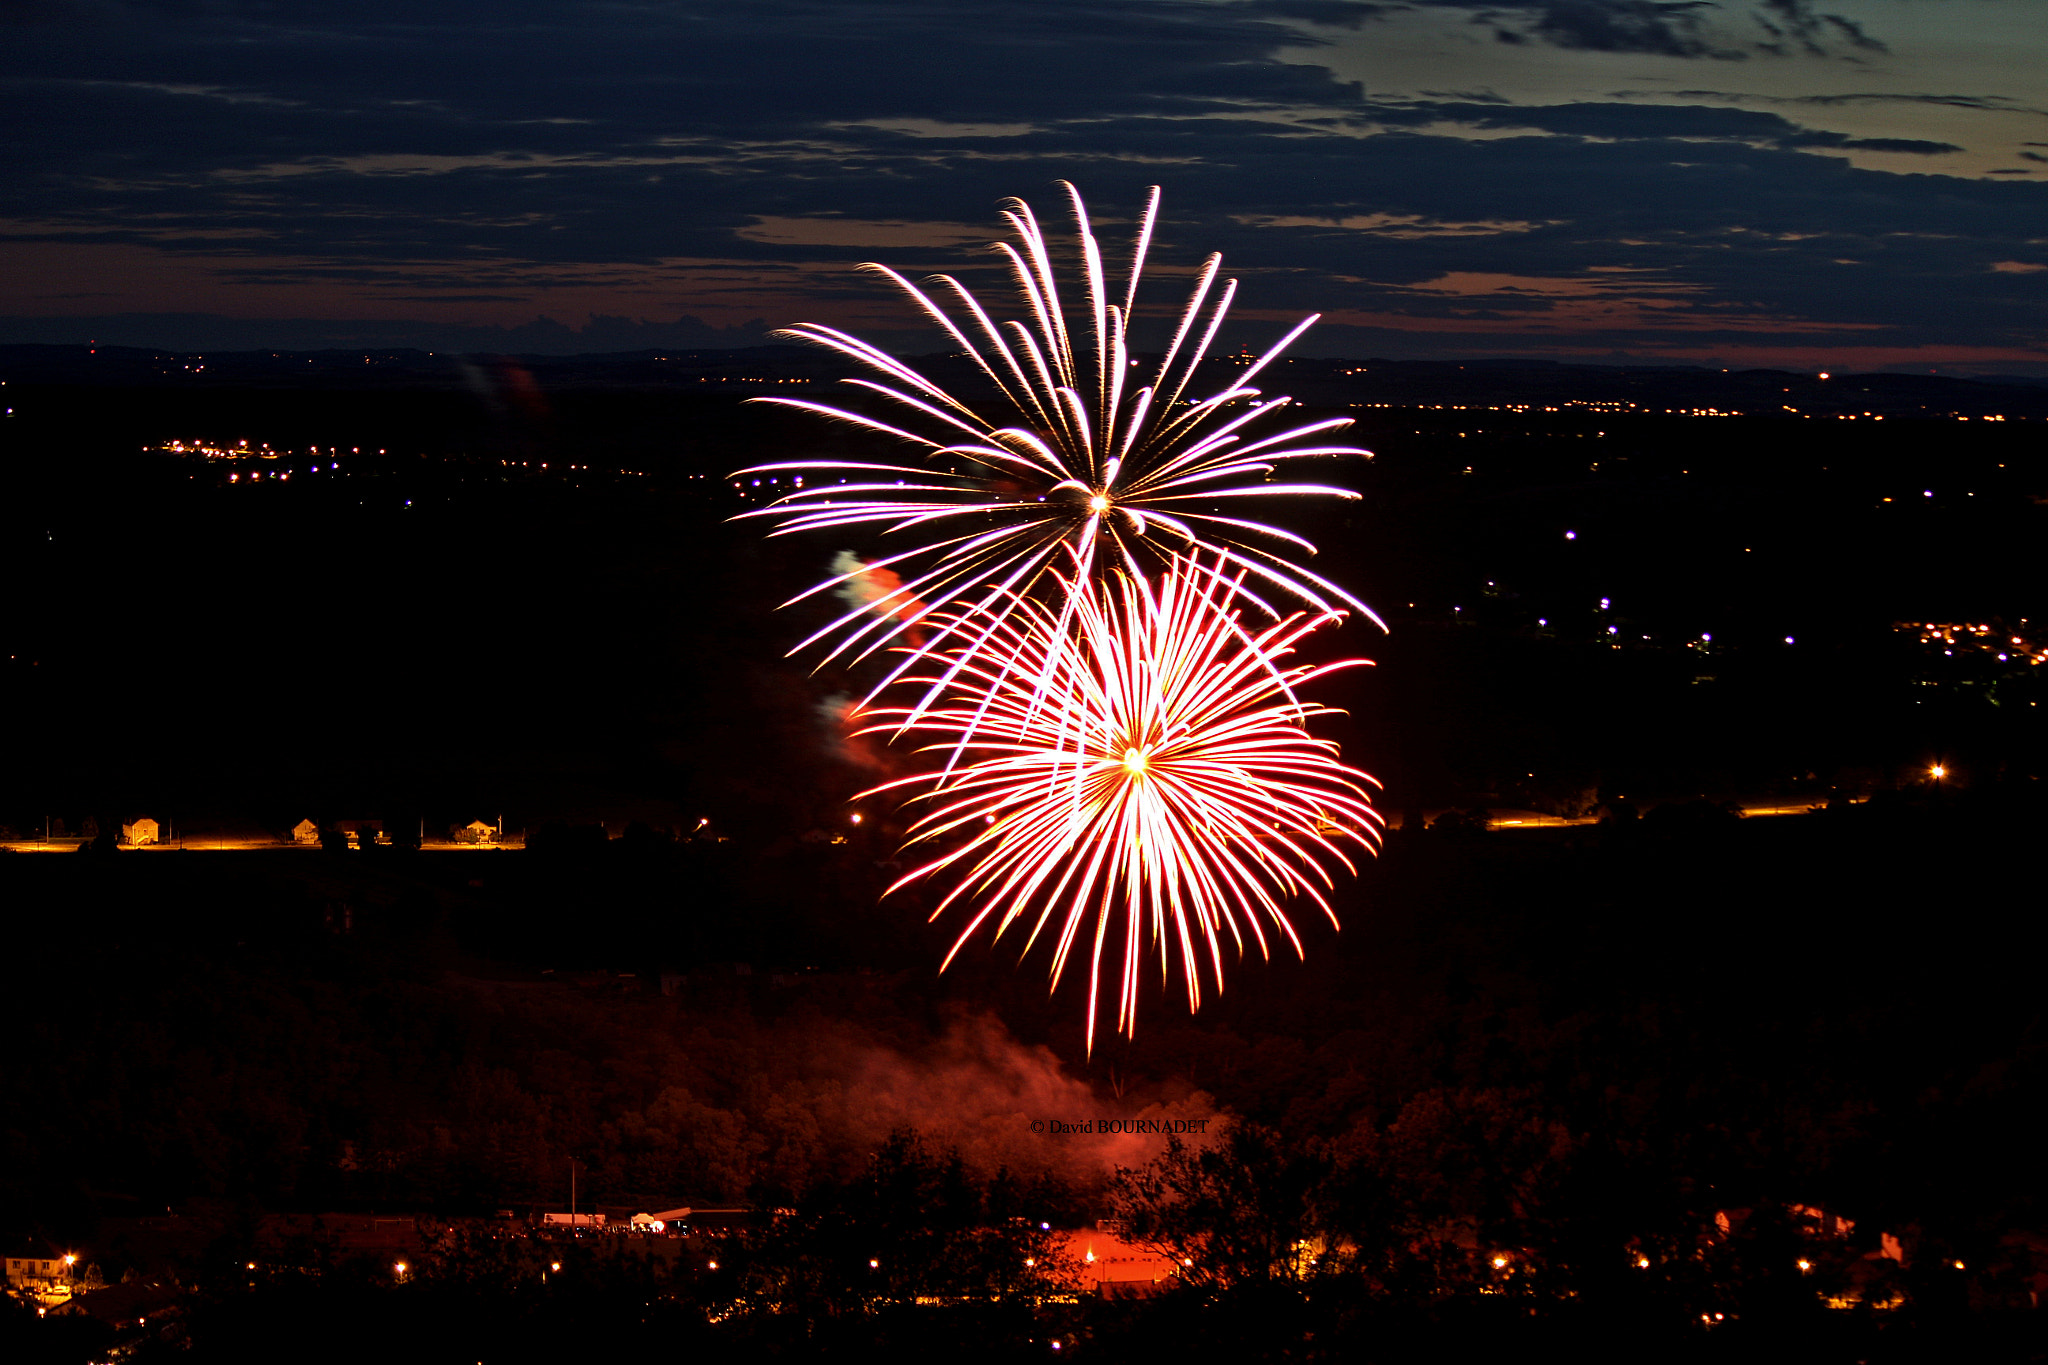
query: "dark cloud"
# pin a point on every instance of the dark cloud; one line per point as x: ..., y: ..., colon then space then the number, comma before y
x: 1668, y: 28
x: 1908, y: 145
x: 1330, y: 13
x: 1672, y: 29
x: 1985, y: 102
x: 730, y: 163
x: 1681, y: 122
x: 1795, y: 23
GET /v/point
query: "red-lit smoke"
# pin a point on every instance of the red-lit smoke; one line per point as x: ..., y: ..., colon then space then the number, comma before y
x: 879, y: 589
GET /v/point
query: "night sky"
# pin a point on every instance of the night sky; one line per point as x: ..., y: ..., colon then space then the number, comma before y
x: 1799, y: 183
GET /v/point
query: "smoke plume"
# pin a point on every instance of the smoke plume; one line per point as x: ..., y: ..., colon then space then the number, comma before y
x: 878, y: 589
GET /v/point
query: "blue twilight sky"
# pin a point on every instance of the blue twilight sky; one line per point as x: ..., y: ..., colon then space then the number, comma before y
x: 1786, y: 182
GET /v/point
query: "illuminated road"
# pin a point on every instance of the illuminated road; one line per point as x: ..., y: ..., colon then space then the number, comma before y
x: 1498, y: 819
x: 233, y: 844
x: 1529, y: 819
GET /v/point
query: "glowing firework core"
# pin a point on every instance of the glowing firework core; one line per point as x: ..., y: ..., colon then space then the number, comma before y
x: 1064, y: 817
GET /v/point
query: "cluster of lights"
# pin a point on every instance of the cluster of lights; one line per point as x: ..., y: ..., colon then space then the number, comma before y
x: 1620, y: 408
x: 1976, y: 638
x: 212, y: 451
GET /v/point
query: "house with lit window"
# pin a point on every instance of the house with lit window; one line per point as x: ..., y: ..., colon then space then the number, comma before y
x: 35, y: 1267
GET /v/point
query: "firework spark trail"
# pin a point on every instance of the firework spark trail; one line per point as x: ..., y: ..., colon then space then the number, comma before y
x: 1079, y: 457
x: 1134, y: 761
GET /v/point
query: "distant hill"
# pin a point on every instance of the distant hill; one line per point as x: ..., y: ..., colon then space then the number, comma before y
x: 1324, y: 381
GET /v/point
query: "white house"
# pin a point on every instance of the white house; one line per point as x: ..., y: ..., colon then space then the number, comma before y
x: 140, y: 831
x: 36, y: 1268
x: 305, y: 832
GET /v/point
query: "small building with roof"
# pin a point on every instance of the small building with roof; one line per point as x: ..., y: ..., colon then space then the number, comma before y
x: 36, y: 1267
